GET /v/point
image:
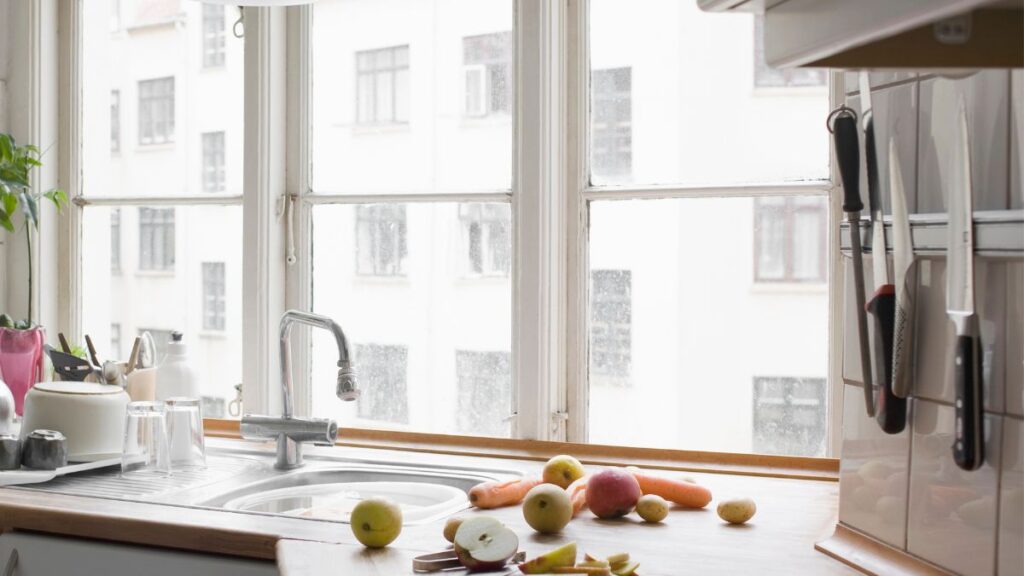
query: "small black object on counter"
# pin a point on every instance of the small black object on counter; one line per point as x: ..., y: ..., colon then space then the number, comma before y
x: 45, y: 450
x: 10, y: 452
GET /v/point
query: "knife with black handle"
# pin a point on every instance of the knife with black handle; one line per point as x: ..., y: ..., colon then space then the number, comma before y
x: 844, y: 133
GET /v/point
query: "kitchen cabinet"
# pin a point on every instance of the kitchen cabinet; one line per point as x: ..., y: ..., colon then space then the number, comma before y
x: 44, y: 555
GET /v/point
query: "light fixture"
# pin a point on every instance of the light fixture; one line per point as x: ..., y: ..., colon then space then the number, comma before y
x: 257, y: 3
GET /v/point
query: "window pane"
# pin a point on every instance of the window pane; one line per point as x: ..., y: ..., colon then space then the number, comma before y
x: 680, y: 330
x: 429, y: 341
x: 204, y: 286
x: 149, y: 93
x: 394, y: 94
x: 673, y: 100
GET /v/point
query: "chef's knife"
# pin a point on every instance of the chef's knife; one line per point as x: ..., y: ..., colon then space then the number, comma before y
x: 968, y: 442
x: 844, y: 132
x: 890, y: 411
x: 906, y: 279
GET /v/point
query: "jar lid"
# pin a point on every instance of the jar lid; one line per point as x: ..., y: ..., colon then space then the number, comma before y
x: 78, y: 388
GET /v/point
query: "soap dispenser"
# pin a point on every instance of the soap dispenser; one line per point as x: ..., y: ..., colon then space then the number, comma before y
x: 175, y: 376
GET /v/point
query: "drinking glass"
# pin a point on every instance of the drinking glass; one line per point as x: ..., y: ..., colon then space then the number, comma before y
x: 146, y: 453
x: 185, y: 432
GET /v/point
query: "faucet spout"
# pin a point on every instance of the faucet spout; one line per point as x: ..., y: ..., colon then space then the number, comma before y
x: 346, y: 386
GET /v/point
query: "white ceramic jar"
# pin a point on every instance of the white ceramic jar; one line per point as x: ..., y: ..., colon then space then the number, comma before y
x: 90, y: 415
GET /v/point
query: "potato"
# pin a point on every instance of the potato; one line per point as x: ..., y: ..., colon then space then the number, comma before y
x: 736, y: 510
x: 652, y: 508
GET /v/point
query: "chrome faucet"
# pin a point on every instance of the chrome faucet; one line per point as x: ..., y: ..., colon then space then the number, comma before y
x: 289, y: 431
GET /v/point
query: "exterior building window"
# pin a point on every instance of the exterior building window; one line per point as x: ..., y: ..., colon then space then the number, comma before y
x: 766, y: 77
x: 213, y: 296
x: 382, y: 86
x: 790, y: 416
x: 611, y: 326
x: 487, y: 238
x: 213, y: 35
x: 213, y: 162
x: 115, y: 340
x: 485, y: 392
x: 611, y: 152
x: 115, y: 241
x: 380, y: 240
x: 115, y: 120
x: 156, y: 239
x: 156, y: 111
x: 790, y: 241
x: 382, y: 370
x: 488, y: 73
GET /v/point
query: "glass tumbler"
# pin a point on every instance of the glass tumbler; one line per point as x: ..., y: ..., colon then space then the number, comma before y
x: 146, y: 453
x: 185, y: 433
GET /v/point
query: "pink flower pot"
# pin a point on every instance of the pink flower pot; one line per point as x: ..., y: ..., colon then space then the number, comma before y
x: 21, y: 361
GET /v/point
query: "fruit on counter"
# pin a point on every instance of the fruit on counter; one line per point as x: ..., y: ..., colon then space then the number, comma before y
x: 614, y: 565
x: 547, y: 508
x: 736, y: 510
x: 451, y: 526
x: 497, y: 494
x: 652, y: 508
x: 562, y: 557
x: 678, y: 491
x: 484, y: 543
x: 612, y: 493
x: 376, y: 522
x: 577, y: 492
x: 619, y: 558
x: 625, y: 569
x: 562, y: 471
x: 582, y: 570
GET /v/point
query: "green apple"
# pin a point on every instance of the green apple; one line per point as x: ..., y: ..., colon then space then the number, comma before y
x: 547, y: 508
x: 557, y: 558
x: 562, y: 471
x: 376, y: 522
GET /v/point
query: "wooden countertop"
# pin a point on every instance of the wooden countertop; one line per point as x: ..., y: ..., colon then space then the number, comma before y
x: 792, y: 515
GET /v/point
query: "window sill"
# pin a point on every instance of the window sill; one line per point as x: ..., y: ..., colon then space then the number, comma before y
x: 783, y: 287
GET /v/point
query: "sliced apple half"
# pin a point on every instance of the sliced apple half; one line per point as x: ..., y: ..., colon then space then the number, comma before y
x: 484, y: 543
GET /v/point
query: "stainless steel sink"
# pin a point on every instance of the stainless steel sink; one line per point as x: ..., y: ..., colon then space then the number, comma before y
x: 325, y: 489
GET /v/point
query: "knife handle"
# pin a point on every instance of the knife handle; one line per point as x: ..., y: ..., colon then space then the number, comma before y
x: 890, y: 410
x: 844, y: 134
x: 968, y: 444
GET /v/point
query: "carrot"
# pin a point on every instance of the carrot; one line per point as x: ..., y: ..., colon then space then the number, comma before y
x: 498, y: 494
x: 678, y: 491
x: 578, y: 494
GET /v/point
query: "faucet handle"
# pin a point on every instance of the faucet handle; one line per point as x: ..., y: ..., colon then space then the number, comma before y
x: 347, y: 390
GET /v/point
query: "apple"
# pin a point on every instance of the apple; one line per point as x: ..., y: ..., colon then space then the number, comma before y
x: 547, y: 508
x: 451, y: 526
x: 562, y: 471
x: 626, y: 568
x: 484, y: 543
x: 652, y: 508
x: 564, y: 556
x: 612, y: 493
x: 376, y: 522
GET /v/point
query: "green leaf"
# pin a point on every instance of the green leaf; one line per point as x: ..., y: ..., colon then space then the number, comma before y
x: 10, y: 202
x: 30, y: 208
x: 5, y: 222
x: 57, y: 196
x: 6, y: 148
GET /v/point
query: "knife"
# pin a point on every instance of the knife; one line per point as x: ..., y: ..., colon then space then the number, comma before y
x: 968, y: 435
x: 906, y: 279
x: 844, y: 133
x: 890, y: 410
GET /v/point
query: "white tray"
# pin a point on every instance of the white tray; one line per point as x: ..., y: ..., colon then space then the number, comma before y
x: 28, y: 476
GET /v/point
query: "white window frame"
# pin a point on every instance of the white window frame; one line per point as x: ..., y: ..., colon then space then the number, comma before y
x: 550, y: 200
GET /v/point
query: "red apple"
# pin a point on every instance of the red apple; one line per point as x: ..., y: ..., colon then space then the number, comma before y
x: 612, y: 493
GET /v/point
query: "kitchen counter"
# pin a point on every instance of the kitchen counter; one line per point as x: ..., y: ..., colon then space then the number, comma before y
x: 792, y: 515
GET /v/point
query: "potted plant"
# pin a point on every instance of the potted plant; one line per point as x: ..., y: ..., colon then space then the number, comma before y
x: 21, y: 342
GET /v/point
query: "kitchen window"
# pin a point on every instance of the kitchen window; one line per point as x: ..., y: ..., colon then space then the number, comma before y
x: 382, y: 85
x: 156, y: 111
x: 488, y: 73
x: 115, y: 120
x: 382, y: 377
x: 115, y: 241
x: 790, y: 416
x: 213, y: 162
x: 611, y: 318
x: 214, y: 309
x: 213, y: 35
x: 485, y: 392
x: 789, y: 240
x: 486, y: 238
x: 156, y: 239
x: 380, y: 240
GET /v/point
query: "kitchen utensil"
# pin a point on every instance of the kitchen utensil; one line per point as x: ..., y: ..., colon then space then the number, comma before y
x: 90, y: 415
x: 67, y: 366
x: 26, y: 476
x: 145, y: 453
x: 133, y: 359
x: 10, y: 452
x: 113, y: 374
x: 890, y: 410
x: 141, y: 384
x: 92, y: 352
x: 906, y: 279
x: 844, y: 133
x: 968, y: 445
x: 185, y: 433
x: 6, y: 409
x: 44, y: 450
x: 437, y: 561
x: 63, y: 343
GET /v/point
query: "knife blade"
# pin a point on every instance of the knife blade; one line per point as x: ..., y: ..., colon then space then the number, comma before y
x: 906, y: 279
x: 890, y: 410
x: 968, y: 444
x: 844, y: 133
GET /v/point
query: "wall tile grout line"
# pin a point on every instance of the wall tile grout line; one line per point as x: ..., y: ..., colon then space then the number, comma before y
x: 998, y: 496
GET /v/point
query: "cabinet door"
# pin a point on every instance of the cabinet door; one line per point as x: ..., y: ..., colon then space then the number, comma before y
x: 42, y: 555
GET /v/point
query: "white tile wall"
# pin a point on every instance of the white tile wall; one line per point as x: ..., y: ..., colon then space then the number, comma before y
x: 1015, y: 339
x: 952, y: 513
x: 872, y: 474
x: 1011, y: 500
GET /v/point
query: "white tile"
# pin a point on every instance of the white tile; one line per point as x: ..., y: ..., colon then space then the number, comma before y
x: 1015, y: 338
x: 1017, y: 139
x: 987, y: 98
x: 895, y: 111
x: 872, y: 474
x: 952, y: 514
x: 1011, y: 500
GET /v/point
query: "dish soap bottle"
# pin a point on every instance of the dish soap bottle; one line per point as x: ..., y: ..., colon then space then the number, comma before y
x: 175, y: 376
